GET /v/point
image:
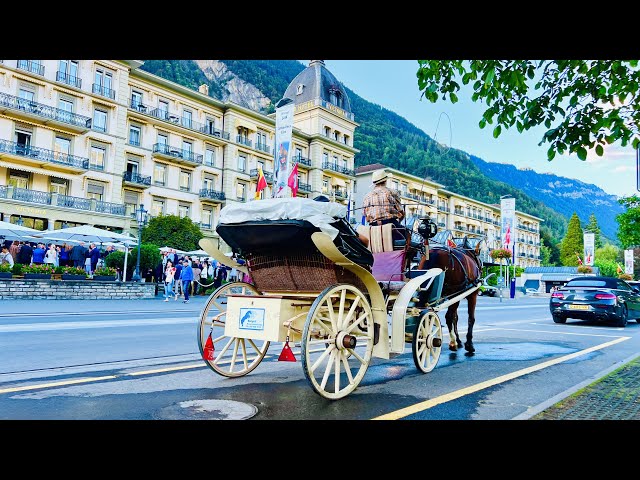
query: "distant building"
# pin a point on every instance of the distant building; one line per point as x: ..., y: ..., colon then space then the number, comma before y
x: 544, y: 278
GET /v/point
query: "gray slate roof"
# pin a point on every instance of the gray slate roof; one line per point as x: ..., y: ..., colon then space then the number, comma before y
x: 317, y: 81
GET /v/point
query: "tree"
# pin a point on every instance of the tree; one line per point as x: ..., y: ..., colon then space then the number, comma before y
x: 546, y: 242
x: 172, y: 231
x: 572, y: 243
x: 608, y: 253
x: 629, y: 221
x: 149, y: 258
x: 584, y: 104
x: 593, y: 227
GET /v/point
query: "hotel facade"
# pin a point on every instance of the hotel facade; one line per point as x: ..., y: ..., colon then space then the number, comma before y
x: 87, y: 141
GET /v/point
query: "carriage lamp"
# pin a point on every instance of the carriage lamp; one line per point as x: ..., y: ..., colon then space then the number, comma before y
x: 427, y: 228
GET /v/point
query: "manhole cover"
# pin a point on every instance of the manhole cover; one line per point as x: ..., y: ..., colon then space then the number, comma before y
x: 207, y: 410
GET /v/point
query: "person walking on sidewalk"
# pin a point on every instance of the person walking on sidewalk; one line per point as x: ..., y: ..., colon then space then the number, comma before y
x: 169, y: 273
x: 187, y: 277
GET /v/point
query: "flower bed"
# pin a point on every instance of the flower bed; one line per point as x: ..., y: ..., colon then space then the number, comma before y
x: 39, y: 272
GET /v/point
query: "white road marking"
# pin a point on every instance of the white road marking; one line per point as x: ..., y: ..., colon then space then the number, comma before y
x: 30, y: 327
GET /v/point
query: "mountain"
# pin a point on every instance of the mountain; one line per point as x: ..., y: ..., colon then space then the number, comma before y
x: 382, y: 137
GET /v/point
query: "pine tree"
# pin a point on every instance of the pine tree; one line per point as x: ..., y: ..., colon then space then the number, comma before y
x: 572, y: 243
x: 593, y: 227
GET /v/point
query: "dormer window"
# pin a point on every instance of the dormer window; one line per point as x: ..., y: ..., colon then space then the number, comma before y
x: 335, y: 95
x: 299, y: 89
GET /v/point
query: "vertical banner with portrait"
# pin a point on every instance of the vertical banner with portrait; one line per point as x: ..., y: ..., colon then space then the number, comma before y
x: 508, y: 219
x: 282, y: 151
x: 628, y: 261
x: 589, y: 240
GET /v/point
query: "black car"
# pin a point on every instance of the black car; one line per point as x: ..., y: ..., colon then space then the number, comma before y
x: 607, y: 299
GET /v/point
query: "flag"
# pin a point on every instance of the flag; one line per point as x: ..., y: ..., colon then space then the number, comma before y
x: 293, y: 180
x: 262, y: 183
x: 507, y: 236
x: 451, y: 243
x: 619, y: 269
x: 348, y: 206
x: 579, y: 259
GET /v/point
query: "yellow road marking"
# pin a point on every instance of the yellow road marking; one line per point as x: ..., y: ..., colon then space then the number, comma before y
x: 161, y: 370
x: 57, y: 384
x: 419, y: 407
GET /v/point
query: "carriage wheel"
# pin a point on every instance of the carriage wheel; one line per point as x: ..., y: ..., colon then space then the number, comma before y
x: 233, y: 356
x: 427, y: 342
x: 337, y: 341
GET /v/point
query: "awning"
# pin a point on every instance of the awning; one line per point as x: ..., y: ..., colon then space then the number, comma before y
x: 339, y: 182
x: 558, y: 277
x: 40, y: 171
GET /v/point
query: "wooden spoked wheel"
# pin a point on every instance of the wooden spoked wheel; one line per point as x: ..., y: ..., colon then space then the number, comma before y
x: 337, y: 341
x: 427, y: 342
x: 233, y: 356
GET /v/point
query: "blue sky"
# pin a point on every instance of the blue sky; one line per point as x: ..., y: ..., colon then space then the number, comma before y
x: 393, y: 84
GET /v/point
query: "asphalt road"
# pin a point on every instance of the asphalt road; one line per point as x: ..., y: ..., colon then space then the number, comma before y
x: 139, y: 360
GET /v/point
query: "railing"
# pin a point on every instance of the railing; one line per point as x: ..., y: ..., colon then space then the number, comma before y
x: 74, y: 202
x: 441, y: 224
x: 43, y: 154
x: 338, y: 168
x: 340, y: 192
x: 458, y: 212
x: 243, y: 140
x: 264, y: 147
x: 104, y: 91
x: 135, y: 143
x: 212, y: 194
x: 31, y: 66
x: 43, y: 110
x: 31, y: 196
x: 3, y: 191
x: 136, y: 178
x: 177, y: 152
x: 305, y: 187
x: 68, y: 79
x: 267, y: 174
x: 443, y: 209
x: 213, y: 131
x: 302, y: 160
x: 205, y: 225
x: 112, y: 208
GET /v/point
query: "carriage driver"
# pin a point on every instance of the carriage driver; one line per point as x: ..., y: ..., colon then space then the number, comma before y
x: 382, y: 205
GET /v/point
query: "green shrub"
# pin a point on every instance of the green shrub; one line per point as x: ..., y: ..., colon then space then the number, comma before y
x: 17, y: 269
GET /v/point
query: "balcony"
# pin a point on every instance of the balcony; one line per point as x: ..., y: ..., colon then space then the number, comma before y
x: 338, y: 168
x: 137, y: 106
x: 44, y: 114
x: 443, y: 208
x: 68, y: 79
x: 243, y: 140
x: 214, y: 132
x: 268, y: 176
x: 103, y: 91
x: 31, y: 66
x: 214, y: 196
x: 263, y: 147
x: 74, y: 202
x: 304, y: 187
x: 3, y: 191
x: 42, y: 157
x: 176, y: 154
x: 340, y: 192
x: 136, y: 180
x: 110, y: 208
x: 302, y: 160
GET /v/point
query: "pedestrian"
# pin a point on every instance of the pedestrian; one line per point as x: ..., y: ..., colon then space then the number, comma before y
x: 94, y: 256
x: 14, y: 249
x: 63, y: 255
x: 78, y: 255
x: 25, y: 253
x: 177, y: 284
x: 38, y: 254
x: 169, y: 273
x: 219, y: 277
x: 187, y: 277
x: 51, y: 255
x: 6, y: 257
x: 196, y: 276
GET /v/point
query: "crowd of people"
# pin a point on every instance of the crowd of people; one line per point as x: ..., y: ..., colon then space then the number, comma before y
x: 56, y: 255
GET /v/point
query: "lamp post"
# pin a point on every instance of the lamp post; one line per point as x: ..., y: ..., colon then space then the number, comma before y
x: 141, y: 217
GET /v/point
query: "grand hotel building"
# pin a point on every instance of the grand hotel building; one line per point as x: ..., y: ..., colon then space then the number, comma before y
x: 86, y: 141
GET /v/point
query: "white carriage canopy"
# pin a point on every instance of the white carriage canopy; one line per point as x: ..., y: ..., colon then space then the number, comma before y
x: 319, y: 214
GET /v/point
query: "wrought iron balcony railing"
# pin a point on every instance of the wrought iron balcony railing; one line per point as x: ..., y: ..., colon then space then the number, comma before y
x: 43, y: 154
x: 267, y: 174
x: 44, y: 111
x: 213, y: 131
x: 177, y: 152
x: 136, y: 178
x: 31, y: 66
x: 74, y: 202
x: 212, y: 194
x: 68, y: 79
x: 243, y: 140
x: 112, y: 208
x: 305, y: 187
x: 3, y: 191
x: 31, y: 196
x: 104, y: 91
x: 302, y: 160
x: 338, y: 168
x: 264, y: 147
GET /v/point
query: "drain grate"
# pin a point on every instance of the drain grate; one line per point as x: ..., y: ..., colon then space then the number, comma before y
x: 207, y: 410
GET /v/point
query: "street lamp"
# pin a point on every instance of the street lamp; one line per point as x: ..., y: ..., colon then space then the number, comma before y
x: 141, y: 218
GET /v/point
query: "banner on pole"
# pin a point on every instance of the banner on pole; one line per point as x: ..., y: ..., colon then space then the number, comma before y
x: 508, y: 221
x: 589, y: 248
x: 284, y: 126
x: 628, y: 261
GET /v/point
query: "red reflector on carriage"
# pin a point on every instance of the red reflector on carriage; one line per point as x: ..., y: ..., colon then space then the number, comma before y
x: 286, y: 355
x: 208, y: 349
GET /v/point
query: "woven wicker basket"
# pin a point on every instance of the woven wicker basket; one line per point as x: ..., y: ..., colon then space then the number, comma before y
x: 296, y: 272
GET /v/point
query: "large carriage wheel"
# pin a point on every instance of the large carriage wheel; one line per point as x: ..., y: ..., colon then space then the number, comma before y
x: 427, y: 342
x: 337, y: 341
x: 233, y: 356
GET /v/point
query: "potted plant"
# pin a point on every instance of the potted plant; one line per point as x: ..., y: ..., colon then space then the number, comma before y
x: 5, y: 270
x: 38, y: 272
x: 625, y: 276
x: 584, y: 269
x: 73, y: 273
x: 498, y: 253
x: 105, y: 274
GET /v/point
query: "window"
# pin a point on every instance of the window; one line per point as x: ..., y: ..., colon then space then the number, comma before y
x: 22, y: 137
x: 336, y: 135
x: 335, y: 160
x: 26, y: 96
x: 159, y: 174
x: 132, y: 199
x: 99, y: 120
x: 187, y: 118
x: 327, y: 132
x: 242, y: 163
x: 188, y: 148
x: 135, y: 134
x: 207, y: 218
x: 136, y: 99
x: 345, y: 139
x: 18, y: 179
x: 325, y: 158
x: 157, y: 207
x: 133, y: 165
x: 299, y: 89
x: 185, y: 180
x: 241, y: 190
x: 59, y: 185
x: 394, y: 184
x: 163, y: 109
x: 208, y: 183
x: 210, y: 157
x: 325, y: 185
x: 163, y: 139
x: 98, y: 154
x: 65, y: 110
x: 104, y: 83
x: 62, y: 146
x: 261, y: 139
x: 260, y: 164
x: 68, y: 73
x: 298, y: 152
x: 95, y: 191
x: 184, y: 209
x: 33, y: 66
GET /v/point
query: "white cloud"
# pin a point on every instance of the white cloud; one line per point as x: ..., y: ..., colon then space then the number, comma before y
x: 624, y: 168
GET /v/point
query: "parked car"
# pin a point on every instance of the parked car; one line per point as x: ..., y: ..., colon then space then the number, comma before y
x: 603, y: 299
x: 532, y: 291
x: 487, y: 290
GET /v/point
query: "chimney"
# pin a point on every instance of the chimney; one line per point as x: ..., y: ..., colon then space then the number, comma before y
x: 204, y: 89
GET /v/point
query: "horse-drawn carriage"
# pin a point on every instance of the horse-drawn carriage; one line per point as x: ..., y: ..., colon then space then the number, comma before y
x: 316, y: 285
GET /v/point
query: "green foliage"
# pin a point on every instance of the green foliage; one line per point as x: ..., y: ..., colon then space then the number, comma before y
x: 5, y: 267
x: 183, y: 72
x: 500, y: 253
x: 582, y: 103
x: 629, y: 221
x: 607, y: 268
x: 72, y: 271
x: 45, y: 268
x: 593, y: 227
x: 116, y: 260
x: 548, y: 244
x: 572, y: 243
x: 150, y: 256
x: 17, y: 269
x: 584, y: 269
x: 105, y: 271
x: 609, y: 253
x: 173, y: 231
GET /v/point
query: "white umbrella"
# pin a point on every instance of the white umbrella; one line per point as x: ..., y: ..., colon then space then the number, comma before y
x: 86, y: 233
x: 199, y: 253
x: 11, y: 231
x: 166, y: 249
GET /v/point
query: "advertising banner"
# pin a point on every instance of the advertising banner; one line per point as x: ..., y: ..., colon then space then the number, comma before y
x: 508, y: 220
x: 589, y: 248
x: 628, y: 261
x: 282, y: 151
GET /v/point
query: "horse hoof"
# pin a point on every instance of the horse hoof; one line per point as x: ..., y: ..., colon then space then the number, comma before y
x: 469, y: 347
x: 453, y: 347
